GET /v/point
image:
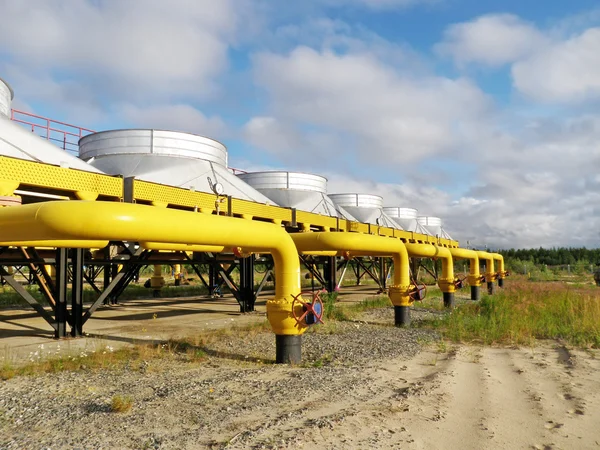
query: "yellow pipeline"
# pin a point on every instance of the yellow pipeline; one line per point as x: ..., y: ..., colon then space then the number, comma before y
x: 490, y: 275
x: 182, y: 247
x: 82, y: 220
x: 53, y: 244
x: 363, y: 245
x: 471, y: 255
x: 446, y: 281
x: 498, y: 257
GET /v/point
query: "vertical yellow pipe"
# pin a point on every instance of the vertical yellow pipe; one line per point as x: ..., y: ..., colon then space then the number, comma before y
x: 474, y: 275
x: 446, y: 281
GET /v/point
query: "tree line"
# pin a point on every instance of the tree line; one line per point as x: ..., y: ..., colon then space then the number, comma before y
x: 554, y: 256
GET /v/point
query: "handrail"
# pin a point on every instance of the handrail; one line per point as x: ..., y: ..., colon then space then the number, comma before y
x: 52, y: 130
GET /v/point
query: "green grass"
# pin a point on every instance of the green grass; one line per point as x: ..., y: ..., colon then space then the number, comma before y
x: 524, y: 312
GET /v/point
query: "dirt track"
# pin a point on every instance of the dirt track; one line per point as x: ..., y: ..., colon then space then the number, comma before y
x: 399, y: 394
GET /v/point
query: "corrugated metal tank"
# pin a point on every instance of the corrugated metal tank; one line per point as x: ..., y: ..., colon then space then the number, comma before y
x: 434, y: 225
x: 367, y: 208
x: 166, y: 157
x: 6, y: 96
x: 303, y: 191
x: 18, y: 142
x: 407, y: 218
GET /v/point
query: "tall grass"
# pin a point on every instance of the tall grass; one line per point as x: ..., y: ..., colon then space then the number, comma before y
x: 524, y: 312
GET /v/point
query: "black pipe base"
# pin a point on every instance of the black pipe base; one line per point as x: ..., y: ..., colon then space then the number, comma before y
x: 491, y: 287
x: 475, y: 293
x: 448, y: 299
x: 288, y: 349
x: 402, y: 316
x: 500, y: 282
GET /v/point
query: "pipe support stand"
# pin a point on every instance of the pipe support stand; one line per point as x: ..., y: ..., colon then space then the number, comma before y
x: 400, y: 295
x: 474, y: 280
x: 446, y: 285
x: 279, y: 314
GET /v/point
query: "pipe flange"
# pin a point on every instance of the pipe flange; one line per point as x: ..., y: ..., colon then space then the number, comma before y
x: 446, y: 284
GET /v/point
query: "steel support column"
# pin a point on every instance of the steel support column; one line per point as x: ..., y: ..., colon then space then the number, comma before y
x: 330, y: 273
x: 61, y: 313
x: 77, y: 292
x: 246, y: 286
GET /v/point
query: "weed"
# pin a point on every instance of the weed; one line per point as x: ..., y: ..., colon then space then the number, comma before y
x: 121, y: 404
x: 524, y: 312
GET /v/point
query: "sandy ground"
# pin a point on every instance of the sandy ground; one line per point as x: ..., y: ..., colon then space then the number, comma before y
x: 369, y: 385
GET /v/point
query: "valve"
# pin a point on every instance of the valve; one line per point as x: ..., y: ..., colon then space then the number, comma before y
x: 459, y: 283
x: 418, y: 292
x: 312, y: 313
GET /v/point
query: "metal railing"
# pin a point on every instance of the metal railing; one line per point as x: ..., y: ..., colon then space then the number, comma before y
x: 64, y: 135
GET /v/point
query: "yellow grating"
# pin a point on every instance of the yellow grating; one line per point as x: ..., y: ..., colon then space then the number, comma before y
x: 260, y: 211
x: 33, y: 173
x: 144, y: 190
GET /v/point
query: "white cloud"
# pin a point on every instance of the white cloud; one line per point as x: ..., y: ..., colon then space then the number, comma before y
x: 179, y: 117
x: 126, y: 47
x: 568, y: 71
x: 494, y: 40
x: 384, y: 113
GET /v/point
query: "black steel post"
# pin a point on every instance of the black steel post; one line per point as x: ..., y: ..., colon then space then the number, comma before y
x: 212, y: 277
x: 288, y: 349
x: 448, y: 299
x: 382, y: 273
x: 490, y: 287
x: 61, y: 313
x: 475, y: 292
x: 77, y: 292
x: 246, y: 286
x: 330, y: 273
x: 500, y: 282
x: 402, y: 316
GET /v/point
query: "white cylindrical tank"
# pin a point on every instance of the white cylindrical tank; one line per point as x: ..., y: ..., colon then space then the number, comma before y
x: 367, y: 208
x: 434, y: 225
x: 406, y: 217
x: 303, y: 191
x: 6, y: 96
x: 166, y: 157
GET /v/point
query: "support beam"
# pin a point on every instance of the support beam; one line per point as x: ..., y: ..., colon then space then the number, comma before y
x: 25, y: 295
x: 77, y: 292
x: 61, y: 312
x: 330, y: 273
x: 247, y: 297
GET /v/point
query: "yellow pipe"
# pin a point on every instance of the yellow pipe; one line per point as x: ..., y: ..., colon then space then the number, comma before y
x: 446, y: 281
x: 364, y: 245
x: 182, y: 247
x: 82, y: 220
x: 490, y: 275
x: 498, y: 257
x: 157, y: 281
x: 471, y: 255
x: 54, y: 244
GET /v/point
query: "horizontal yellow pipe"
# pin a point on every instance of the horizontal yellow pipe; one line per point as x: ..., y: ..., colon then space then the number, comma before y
x: 490, y: 275
x: 363, y: 245
x: 182, y: 247
x: 54, y: 244
x: 83, y: 220
x: 446, y: 281
x: 498, y: 257
x: 471, y: 255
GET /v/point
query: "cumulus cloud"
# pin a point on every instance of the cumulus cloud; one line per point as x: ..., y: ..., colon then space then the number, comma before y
x: 178, y: 117
x: 493, y: 40
x: 568, y: 71
x: 399, y: 118
x: 129, y: 48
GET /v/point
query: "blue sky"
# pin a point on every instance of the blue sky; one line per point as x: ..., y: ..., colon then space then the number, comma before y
x: 483, y: 113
